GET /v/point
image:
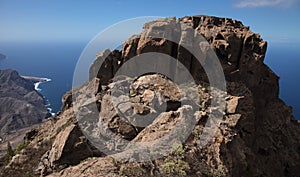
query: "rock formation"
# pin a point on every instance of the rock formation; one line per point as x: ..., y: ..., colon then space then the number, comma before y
x: 258, y: 135
x: 21, y: 106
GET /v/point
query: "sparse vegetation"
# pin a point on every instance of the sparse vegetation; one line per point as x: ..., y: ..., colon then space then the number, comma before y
x: 132, y: 170
x: 132, y: 92
x: 9, y: 153
x: 174, y: 165
x: 21, y: 146
x: 196, y: 133
x: 220, y: 171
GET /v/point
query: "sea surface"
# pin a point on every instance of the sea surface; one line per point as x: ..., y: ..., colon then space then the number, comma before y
x: 57, y: 62
x: 284, y: 60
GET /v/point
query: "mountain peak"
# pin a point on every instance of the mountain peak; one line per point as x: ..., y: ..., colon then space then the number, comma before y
x: 147, y: 125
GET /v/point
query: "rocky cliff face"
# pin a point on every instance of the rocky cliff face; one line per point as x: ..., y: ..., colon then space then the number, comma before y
x: 21, y: 106
x: 258, y: 135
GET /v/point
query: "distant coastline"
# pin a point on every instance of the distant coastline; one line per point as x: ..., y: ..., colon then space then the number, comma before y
x: 37, y: 81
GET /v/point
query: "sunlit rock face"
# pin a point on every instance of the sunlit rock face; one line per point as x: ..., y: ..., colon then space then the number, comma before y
x: 258, y: 135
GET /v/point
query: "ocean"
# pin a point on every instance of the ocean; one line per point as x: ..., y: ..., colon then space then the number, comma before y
x: 284, y: 60
x: 57, y: 62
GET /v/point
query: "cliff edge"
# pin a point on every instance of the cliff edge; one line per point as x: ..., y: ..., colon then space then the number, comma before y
x: 258, y: 135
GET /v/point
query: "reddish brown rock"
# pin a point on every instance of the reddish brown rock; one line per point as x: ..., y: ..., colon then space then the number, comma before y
x: 258, y: 135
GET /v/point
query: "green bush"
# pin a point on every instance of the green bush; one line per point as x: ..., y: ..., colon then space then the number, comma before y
x: 21, y: 146
x: 174, y: 164
x: 175, y: 167
x: 178, y: 151
x: 9, y: 153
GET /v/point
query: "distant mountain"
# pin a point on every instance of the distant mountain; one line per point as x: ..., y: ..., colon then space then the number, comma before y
x: 2, y: 56
x: 21, y: 105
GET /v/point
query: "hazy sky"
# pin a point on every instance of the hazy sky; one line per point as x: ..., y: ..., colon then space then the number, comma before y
x: 57, y: 20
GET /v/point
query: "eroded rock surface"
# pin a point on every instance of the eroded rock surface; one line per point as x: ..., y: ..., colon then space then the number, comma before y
x: 257, y: 134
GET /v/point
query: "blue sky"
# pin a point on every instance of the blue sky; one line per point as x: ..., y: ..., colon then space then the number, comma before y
x: 69, y: 20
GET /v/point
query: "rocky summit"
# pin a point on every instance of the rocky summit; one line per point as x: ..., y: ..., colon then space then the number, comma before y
x: 257, y: 134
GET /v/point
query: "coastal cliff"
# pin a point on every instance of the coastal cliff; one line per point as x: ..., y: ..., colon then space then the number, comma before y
x: 21, y: 107
x: 258, y: 135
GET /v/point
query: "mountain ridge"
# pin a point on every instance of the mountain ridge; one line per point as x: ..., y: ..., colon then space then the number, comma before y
x: 21, y: 107
x: 258, y: 135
